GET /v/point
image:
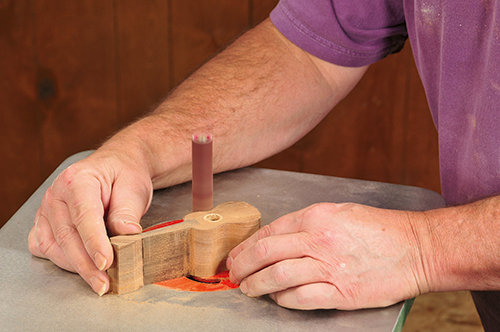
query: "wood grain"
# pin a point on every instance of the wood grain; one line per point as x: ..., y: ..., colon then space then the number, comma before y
x: 200, y: 29
x: 75, y: 55
x: 20, y: 151
x: 198, y: 246
x: 126, y: 272
x: 143, y: 56
x: 261, y: 9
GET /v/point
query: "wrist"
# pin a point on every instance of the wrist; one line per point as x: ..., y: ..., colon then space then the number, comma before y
x: 148, y: 146
x: 460, y: 247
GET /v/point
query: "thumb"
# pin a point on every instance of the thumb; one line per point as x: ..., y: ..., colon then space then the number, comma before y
x: 129, y: 201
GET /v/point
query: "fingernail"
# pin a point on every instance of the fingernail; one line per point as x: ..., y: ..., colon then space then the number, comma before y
x: 229, y: 262
x: 98, y: 285
x: 243, y: 287
x: 100, y: 261
x: 232, y: 278
x: 136, y: 226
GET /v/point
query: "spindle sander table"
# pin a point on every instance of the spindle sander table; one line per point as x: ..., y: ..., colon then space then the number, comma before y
x: 36, y: 295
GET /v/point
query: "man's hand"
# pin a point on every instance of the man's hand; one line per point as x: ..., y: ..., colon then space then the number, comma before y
x: 262, y: 88
x: 343, y: 256
x: 96, y: 196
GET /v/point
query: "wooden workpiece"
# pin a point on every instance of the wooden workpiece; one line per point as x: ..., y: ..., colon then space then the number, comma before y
x: 198, y: 246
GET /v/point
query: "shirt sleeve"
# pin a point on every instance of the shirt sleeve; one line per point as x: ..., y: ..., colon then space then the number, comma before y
x: 349, y: 33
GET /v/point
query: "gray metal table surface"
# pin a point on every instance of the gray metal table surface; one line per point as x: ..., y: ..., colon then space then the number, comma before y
x: 36, y: 295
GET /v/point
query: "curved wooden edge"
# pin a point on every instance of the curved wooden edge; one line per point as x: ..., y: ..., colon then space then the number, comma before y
x: 197, y: 246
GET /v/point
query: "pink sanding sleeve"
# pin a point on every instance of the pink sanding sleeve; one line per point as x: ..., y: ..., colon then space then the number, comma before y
x: 202, y: 172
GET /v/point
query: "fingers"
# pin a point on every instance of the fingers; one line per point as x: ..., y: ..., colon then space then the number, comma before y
x: 328, y: 256
x: 128, y: 205
x: 61, y: 243
x: 84, y: 241
x: 312, y: 296
x: 281, y: 259
x: 281, y: 226
x: 281, y: 276
x: 297, y: 284
x: 43, y: 244
x: 268, y: 251
x: 76, y: 215
x: 70, y: 228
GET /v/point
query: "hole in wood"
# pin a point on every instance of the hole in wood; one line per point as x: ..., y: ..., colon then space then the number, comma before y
x: 213, y: 217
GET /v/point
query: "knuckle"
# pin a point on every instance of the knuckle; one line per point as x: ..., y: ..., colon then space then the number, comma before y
x: 124, y: 214
x: 318, y: 210
x: 265, y: 232
x: 90, y: 240
x: 85, y: 211
x: 50, y: 200
x: 38, y: 243
x: 65, y: 178
x: 80, y: 267
x: 261, y: 249
x: 74, y: 177
x: 65, y: 235
x: 279, y: 274
x: 48, y: 197
x: 43, y: 247
x: 351, y: 208
x: 325, y: 271
x: 304, y: 298
x: 79, y: 214
x: 70, y: 174
x: 326, y: 240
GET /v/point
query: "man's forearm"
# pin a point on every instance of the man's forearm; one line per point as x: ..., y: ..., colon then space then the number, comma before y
x: 461, y: 246
x: 257, y: 97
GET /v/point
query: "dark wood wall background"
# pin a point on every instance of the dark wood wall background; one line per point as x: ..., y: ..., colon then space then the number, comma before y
x: 74, y: 72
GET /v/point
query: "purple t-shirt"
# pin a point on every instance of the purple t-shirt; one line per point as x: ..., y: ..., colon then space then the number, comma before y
x: 456, y: 46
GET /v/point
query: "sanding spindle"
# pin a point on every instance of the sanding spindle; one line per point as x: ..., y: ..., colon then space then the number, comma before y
x: 202, y: 172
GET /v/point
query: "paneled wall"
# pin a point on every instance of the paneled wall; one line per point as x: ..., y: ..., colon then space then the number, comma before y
x: 74, y: 72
